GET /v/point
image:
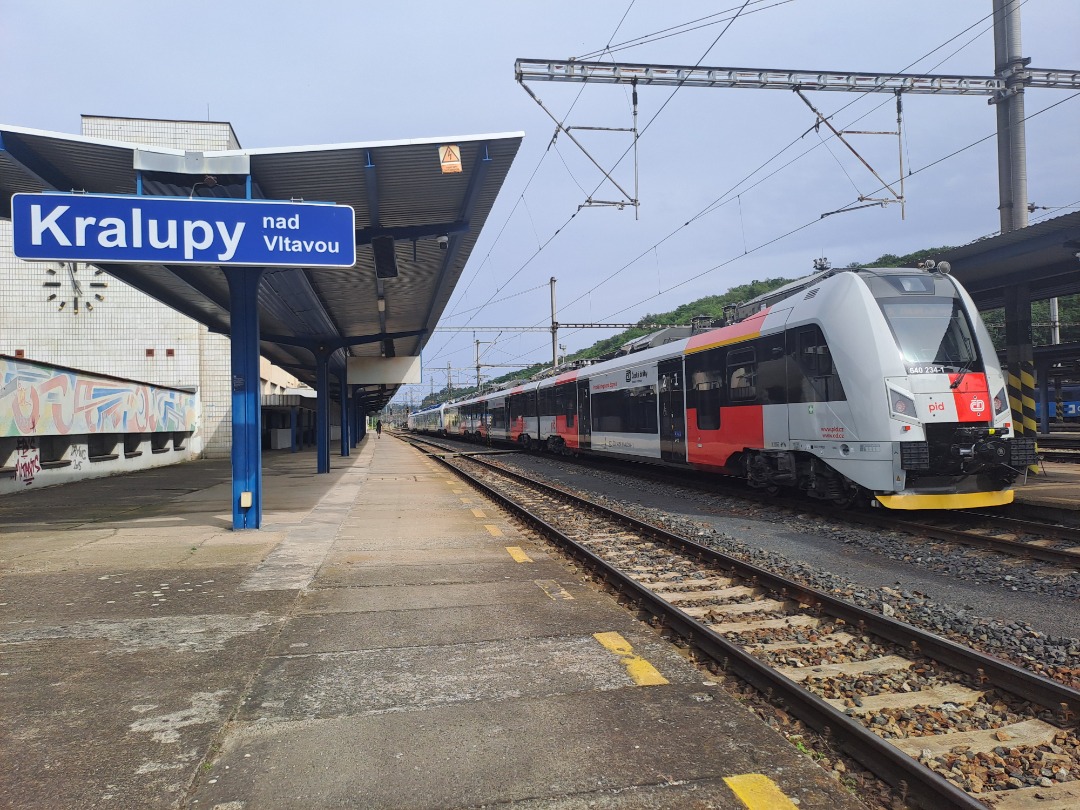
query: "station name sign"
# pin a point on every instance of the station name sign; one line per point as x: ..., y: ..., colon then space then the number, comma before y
x: 178, y: 230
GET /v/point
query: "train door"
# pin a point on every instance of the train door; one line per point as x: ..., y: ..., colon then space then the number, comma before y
x: 672, y: 410
x: 584, y: 415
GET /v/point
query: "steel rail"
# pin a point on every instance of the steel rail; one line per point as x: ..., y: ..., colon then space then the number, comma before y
x: 1057, y: 531
x: 893, y: 522
x: 885, y: 760
x: 974, y: 539
x: 1017, y: 680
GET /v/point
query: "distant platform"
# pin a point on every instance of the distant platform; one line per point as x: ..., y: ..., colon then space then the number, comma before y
x: 1056, y: 486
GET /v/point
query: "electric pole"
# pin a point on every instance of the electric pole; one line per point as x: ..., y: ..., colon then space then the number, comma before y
x: 554, y: 329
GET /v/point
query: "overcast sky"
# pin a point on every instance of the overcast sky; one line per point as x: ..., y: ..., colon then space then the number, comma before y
x: 290, y: 74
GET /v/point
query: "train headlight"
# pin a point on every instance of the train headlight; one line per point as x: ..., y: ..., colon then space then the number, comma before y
x: 902, y: 405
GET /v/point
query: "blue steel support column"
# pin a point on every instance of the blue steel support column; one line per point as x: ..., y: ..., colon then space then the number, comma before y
x: 354, y: 416
x: 293, y: 428
x: 322, y: 411
x: 246, y: 404
x: 343, y: 387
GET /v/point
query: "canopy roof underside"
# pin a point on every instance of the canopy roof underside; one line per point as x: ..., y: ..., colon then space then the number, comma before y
x: 397, y: 189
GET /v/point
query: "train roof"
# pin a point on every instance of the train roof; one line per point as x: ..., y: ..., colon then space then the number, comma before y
x: 748, y: 308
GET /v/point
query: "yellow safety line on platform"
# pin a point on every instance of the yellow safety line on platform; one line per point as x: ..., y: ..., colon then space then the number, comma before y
x: 758, y: 792
x: 553, y: 589
x: 518, y: 554
x: 466, y: 501
x: 495, y: 530
x: 641, y: 671
x: 479, y: 513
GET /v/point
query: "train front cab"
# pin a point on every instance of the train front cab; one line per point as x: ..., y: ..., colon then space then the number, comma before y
x: 962, y: 451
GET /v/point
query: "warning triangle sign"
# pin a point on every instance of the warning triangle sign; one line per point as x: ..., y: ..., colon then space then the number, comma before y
x: 450, y: 159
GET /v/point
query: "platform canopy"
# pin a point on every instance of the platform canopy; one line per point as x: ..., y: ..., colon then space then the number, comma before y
x: 1045, y: 256
x: 414, y: 207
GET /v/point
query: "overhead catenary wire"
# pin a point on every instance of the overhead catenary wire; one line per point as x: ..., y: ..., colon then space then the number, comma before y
x: 738, y: 187
x: 674, y: 31
x: 973, y: 144
x: 663, y: 106
x: 815, y: 221
x: 521, y: 199
x: 727, y: 197
x: 808, y: 224
x: 720, y: 201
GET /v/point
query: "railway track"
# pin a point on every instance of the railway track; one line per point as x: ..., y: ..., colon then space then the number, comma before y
x: 1029, y: 538
x: 1060, y: 447
x: 948, y: 726
x: 1020, y: 538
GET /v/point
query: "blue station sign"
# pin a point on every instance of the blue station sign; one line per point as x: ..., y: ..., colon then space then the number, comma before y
x: 178, y: 230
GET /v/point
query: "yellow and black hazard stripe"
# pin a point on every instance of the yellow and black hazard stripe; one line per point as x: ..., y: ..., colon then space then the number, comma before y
x: 1022, y: 400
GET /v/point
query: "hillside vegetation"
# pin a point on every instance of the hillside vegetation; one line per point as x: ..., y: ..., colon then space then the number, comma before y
x: 712, y: 306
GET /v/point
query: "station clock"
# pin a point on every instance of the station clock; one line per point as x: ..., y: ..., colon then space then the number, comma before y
x: 64, y: 286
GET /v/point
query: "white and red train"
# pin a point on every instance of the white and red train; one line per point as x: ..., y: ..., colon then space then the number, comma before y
x: 875, y: 385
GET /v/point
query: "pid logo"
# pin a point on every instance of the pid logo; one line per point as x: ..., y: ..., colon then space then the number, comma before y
x: 937, y: 407
x: 977, y: 405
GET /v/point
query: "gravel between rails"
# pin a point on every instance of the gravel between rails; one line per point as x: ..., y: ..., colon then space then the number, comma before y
x: 1021, y: 611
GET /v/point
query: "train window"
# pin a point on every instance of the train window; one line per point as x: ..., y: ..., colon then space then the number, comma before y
x: 547, y: 401
x: 497, y: 410
x: 771, y: 370
x: 812, y: 375
x: 641, y: 410
x: 708, y: 411
x: 742, y: 376
x: 607, y: 416
x: 913, y: 285
x: 932, y: 333
x: 566, y: 402
x: 814, y: 355
x: 632, y: 410
x: 517, y: 406
x: 705, y: 373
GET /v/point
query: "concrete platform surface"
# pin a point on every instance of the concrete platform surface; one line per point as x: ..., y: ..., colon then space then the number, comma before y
x: 1056, y: 485
x: 376, y: 645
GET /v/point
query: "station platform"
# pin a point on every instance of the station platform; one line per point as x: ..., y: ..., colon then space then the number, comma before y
x: 388, y: 640
x: 1054, y: 490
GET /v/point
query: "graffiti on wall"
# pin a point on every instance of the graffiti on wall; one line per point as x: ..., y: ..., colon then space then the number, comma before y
x: 41, y: 400
x: 27, y: 461
x: 78, y: 455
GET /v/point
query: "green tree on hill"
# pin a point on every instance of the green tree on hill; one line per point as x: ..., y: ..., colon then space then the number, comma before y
x: 712, y: 306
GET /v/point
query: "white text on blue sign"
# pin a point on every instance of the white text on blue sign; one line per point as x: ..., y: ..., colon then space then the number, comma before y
x: 177, y: 230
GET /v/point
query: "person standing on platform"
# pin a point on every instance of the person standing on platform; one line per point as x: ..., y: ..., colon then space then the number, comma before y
x: 378, y: 428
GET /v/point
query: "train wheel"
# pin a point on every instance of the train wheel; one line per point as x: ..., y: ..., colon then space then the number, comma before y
x: 848, y: 496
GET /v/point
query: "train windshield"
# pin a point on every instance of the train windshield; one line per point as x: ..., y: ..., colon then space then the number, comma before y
x: 933, y: 334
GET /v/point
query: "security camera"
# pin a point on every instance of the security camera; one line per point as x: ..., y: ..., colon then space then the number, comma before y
x: 444, y: 242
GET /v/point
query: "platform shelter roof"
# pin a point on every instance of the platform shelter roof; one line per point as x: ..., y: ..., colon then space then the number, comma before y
x: 1045, y: 256
x: 398, y: 189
